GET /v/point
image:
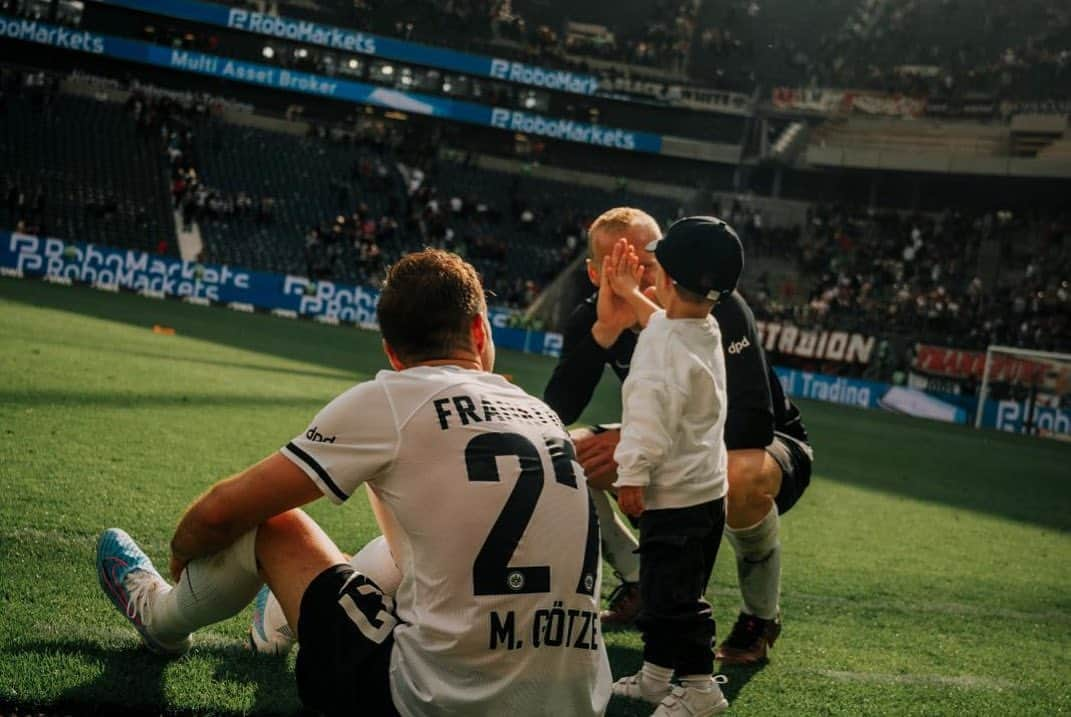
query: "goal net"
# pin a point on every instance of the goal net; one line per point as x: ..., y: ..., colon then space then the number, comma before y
x: 1025, y: 391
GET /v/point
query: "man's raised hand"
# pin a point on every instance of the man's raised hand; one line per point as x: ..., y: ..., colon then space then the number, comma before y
x: 595, y: 453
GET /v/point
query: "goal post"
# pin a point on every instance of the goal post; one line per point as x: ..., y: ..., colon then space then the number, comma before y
x: 1025, y: 391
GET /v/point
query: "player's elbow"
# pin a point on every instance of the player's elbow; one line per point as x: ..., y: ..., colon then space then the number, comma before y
x: 569, y: 417
x: 562, y: 406
x: 214, y: 513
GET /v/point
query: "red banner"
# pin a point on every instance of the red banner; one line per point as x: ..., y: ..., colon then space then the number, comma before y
x: 829, y: 101
x: 956, y: 363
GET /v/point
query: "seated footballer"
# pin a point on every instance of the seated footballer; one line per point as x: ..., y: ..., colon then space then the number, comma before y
x: 480, y: 496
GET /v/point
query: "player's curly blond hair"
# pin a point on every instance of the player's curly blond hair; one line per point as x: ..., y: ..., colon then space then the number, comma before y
x: 615, y: 221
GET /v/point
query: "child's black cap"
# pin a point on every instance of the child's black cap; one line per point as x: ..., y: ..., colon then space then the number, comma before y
x: 701, y: 254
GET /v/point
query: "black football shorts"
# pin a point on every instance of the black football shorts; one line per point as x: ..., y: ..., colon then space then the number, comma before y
x: 795, y: 459
x: 345, y: 633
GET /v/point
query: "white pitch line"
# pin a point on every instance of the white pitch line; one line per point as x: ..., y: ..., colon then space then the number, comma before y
x: 215, y: 640
x: 64, y: 538
x: 966, y: 682
x: 941, y: 608
x: 908, y: 607
x: 120, y: 633
x: 67, y: 538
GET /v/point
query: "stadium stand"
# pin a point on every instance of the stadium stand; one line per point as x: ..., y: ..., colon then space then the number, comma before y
x: 899, y: 136
x: 651, y: 36
x: 965, y: 280
x: 1016, y: 49
x: 331, y: 205
x: 342, y: 204
x: 81, y: 169
x: 288, y: 184
x: 342, y: 209
x: 1060, y: 149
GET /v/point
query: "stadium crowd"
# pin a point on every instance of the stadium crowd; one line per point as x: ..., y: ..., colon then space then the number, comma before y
x: 1017, y: 50
x: 921, y: 275
x: 933, y: 277
x: 436, y: 211
x: 25, y: 196
x: 173, y: 121
x: 372, y: 223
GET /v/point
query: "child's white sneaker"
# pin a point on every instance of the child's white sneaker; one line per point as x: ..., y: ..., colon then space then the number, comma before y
x: 692, y: 702
x: 636, y: 688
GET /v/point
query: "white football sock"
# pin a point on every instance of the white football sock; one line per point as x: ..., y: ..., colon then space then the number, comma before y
x: 376, y: 562
x: 618, y: 540
x: 703, y: 683
x: 275, y: 619
x: 211, y: 589
x: 758, y: 564
x: 655, y: 677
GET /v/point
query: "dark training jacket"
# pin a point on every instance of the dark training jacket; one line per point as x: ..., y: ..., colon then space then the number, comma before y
x: 757, y: 403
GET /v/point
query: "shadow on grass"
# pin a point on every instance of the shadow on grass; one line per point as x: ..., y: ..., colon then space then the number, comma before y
x: 628, y: 661
x: 625, y: 661
x: 739, y: 676
x: 1005, y: 475
x: 348, y: 351
x: 126, y: 399
x: 351, y: 352
x: 171, y: 357
x: 131, y: 682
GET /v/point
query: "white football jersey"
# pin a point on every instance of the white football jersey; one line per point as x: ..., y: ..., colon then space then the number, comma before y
x: 494, y: 534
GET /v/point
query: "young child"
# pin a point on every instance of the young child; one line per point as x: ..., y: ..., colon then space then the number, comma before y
x: 672, y: 458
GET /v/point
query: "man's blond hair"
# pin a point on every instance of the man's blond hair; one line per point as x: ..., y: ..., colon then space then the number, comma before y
x: 616, y: 221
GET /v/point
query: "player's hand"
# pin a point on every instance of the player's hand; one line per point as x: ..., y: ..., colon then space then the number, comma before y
x: 177, y: 566
x: 595, y: 454
x: 630, y: 498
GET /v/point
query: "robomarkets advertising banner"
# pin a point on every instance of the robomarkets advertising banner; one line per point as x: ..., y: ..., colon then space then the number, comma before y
x: 337, y: 38
x: 318, y: 85
x: 112, y: 269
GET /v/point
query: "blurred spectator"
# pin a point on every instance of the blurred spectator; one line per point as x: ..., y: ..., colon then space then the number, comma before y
x: 917, y: 275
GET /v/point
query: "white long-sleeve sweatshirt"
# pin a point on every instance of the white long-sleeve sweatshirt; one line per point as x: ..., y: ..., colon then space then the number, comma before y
x: 673, y: 424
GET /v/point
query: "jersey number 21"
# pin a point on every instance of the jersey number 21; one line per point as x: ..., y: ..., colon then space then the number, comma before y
x: 491, y: 572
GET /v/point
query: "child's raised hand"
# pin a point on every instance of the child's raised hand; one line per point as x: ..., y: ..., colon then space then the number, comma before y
x: 612, y: 260
x: 614, y: 314
x: 623, y: 269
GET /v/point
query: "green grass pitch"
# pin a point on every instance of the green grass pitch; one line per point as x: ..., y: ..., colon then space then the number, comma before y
x: 926, y: 571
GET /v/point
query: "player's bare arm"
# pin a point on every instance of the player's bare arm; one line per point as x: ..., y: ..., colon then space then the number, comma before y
x: 622, y: 274
x: 238, y: 504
